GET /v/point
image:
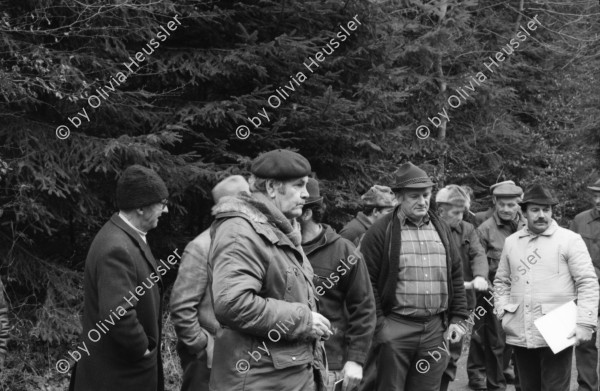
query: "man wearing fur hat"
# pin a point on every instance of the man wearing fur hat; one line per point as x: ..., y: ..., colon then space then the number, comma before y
x: 488, y: 365
x: 122, y: 293
x: 262, y: 285
x: 344, y: 292
x: 452, y: 201
x: 378, y: 202
x: 416, y: 273
x: 191, y: 301
x: 543, y: 266
x: 587, y: 224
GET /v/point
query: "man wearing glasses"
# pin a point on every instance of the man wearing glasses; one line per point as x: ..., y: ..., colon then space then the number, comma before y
x: 122, y: 293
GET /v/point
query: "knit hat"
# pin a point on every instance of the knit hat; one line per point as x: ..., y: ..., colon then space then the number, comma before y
x: 314, y: 195
x: 280, y: 164
x: 139, y: 186
x: 230, y: 186
x: 379, y: 196
x: 409, y: 176
x: 452, y: 194
x: 538, y: 194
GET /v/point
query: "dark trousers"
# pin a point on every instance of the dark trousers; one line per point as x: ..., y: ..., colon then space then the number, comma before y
x: 196, y: 374
x: 542, y: 370
x: 412, y: 356
x: 586, y: 360
x: 369, y: 380
x: 450, y: 372
x: 489, y: 356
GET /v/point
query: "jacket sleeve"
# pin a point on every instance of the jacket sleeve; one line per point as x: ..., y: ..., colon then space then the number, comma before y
x: 477, y: 257
x: 3, y: 322
x: 586, y: 282
x: 360, y: 305
x: 372, y: 249
x: 237, y: 264
x: 116, y: 285
x: 502, y: 281
x: 188, y: 291
x: 458, y: 307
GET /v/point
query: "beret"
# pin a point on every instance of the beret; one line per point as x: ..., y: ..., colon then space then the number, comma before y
x: 280, y: 164
x: 379, y: 196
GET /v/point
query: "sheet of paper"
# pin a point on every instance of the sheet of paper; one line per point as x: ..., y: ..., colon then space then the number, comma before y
x: 557, y: 324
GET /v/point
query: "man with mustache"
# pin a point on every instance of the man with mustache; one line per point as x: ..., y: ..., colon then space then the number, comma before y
x: 587, y: 224
x: 489, y: 358
x: 416, y: 273
x: 262, y: 285
x: 543, y: 266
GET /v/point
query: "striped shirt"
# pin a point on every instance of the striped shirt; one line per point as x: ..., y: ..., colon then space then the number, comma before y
x: 422, y: 288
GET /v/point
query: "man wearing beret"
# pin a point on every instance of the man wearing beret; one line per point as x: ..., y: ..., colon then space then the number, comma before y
x: 191, y: 301
x: 378, y: 202
x: 122, y: 293
x: 489, y: 357
x: 344, y: 292
x: 587, y: 224
x: 262, y: 285
x: 452, y: 201
x: 544, y: 266
x: 416, y: 273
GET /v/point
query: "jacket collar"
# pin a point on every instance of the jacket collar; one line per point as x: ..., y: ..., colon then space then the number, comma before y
x: 325, y: 238
x: 458, y: 227
x: 594, y: 214
x: 548, y: 232
x: 518, y: 218
x: 119, y: 222
x: 364, y: 220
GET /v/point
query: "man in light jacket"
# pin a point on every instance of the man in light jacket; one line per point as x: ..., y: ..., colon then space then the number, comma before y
x: 262, y: 285
x: 191, y: 301
x: 542, y: 267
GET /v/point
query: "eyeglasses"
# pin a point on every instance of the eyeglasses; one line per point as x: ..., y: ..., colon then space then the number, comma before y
x: 164, y: 203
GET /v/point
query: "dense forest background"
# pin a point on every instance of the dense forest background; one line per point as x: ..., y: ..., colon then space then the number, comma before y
x: 535, y: 119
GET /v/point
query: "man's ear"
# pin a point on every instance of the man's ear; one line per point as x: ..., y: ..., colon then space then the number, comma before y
x: 270, y: 186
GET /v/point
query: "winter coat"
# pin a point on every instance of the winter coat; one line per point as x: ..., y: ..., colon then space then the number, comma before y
x: 381, y: 248
x: 538, y: 273
x: 356, y: 228
x: 191, y: 299
x: 122, y: 285
x: 345, y: 297
x: 264, y: 298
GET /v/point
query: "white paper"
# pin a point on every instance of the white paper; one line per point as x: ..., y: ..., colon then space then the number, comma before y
x: 557, y: 324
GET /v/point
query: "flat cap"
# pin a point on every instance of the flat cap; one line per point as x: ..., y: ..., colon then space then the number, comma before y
x: 506, y: 189
x: 280, y: 164
x: 454, y: 195
x: 379, y: 196
x: 409, y: 176
x: 595, y: 186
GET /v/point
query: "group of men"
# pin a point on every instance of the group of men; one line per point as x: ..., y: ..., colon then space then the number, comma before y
x: 272, y: 298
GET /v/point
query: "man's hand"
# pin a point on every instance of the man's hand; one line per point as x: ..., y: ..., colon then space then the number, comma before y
x: 479, y: 284
x: 454, y: 333
x: 352, y: 373
x: 581, y: 334
x: 320, y: 326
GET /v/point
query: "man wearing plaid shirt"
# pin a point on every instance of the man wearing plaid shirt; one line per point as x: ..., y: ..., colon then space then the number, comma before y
x: 416, y: 274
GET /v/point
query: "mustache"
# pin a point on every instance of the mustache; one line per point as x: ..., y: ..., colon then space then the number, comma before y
x: 541, y: 221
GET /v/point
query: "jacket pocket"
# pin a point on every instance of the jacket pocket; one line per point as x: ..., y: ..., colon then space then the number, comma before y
x: 509, y: 323
x: 292, y: 355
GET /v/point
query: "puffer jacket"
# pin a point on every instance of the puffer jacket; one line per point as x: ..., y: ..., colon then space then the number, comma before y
x: 538, y: 273
x: 264, y: 298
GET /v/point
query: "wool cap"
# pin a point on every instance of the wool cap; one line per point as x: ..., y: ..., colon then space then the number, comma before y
x: 280, y: 164
x: 379, y: 196
x: 595, y: 186
x: 506, y: 189
x: 139, y: 186
x: 314, y: 195
x: 453, y: 195
x: 230, y: 186
x: 409, y: 176
x: 538, y: 194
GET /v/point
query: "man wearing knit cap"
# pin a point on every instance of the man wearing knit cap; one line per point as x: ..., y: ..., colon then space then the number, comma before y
x: 191, y: 301
x: 587, y: 224
x: 262, y: 285
x: 452, y: 201
x: 377, y: 202
x: 488, y: 365
x: 416, y: 273
x: 344, y: 292
x: 542, y: 267
x: 122, y: 293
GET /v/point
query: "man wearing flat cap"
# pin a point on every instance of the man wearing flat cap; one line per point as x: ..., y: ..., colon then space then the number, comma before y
x: 480, y: 217
x: 343, y: 290
x: 262, y: 285
x: 416, y: 273
x: 542, y: 267
x: 122, y: 289
x: 587, y: 224
x: 488, y: 364
x: 377, y: 202
x: 452, y: 201
x: 191, y: 301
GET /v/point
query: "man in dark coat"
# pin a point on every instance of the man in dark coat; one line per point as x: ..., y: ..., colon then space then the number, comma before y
x: 416, y: 274
x: 344, y: 292
x: 122, y: 293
